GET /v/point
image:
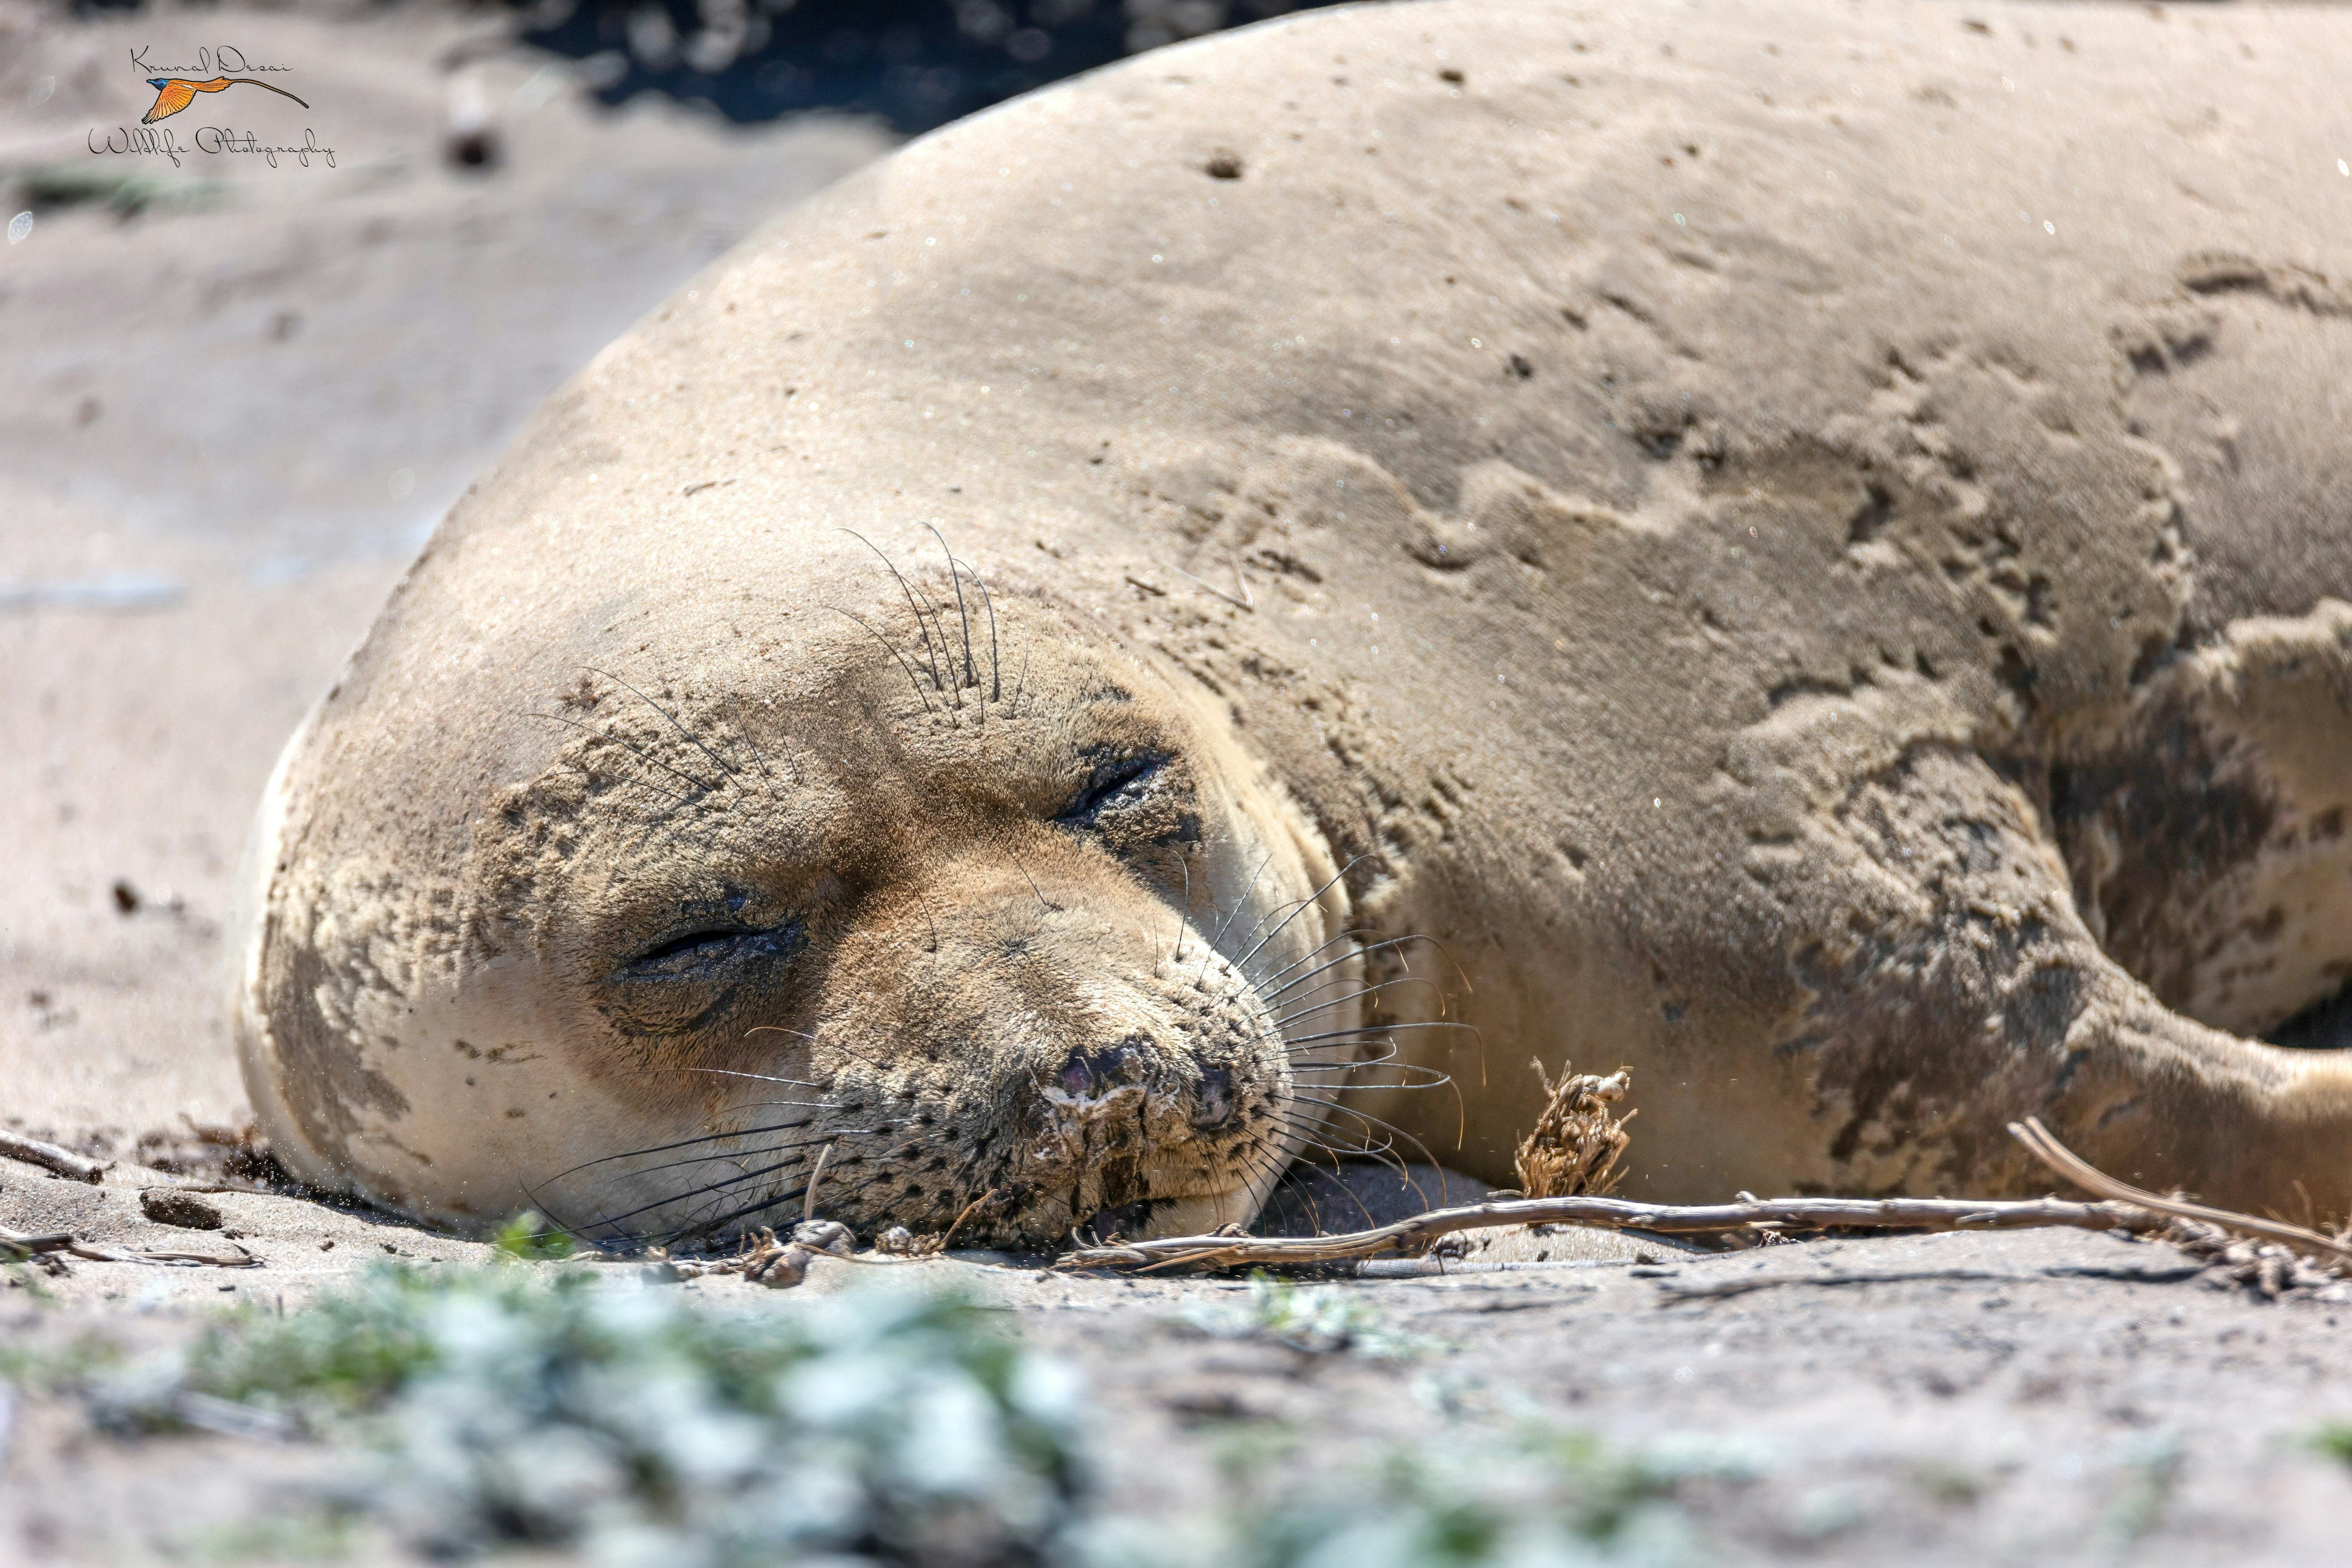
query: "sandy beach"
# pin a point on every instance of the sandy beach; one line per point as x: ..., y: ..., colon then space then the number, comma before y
x: 236, y: 393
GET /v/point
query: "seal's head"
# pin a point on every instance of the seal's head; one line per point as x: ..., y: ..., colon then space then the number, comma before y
x: 934, y: 898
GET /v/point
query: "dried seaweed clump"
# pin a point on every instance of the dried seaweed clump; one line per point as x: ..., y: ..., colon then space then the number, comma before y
x: 2262, y: 1267
x: 1574, y: 1149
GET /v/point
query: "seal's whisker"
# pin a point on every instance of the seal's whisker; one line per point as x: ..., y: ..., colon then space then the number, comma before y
x: 702, y: 1228
x: 1378, y: 1064
x: 1239, y: 904
x: 741, y: 1160
x: 1050, y: 905
x: 1267, y: 1155
x: 642, y: 756
x: 1306, y: 1124
x: 1304, y: 905
x: 1286, y: 1019
x: 1380, y: 1156
x: 903, y: 588
x: 1023, y: 684
x: 1321, y: 1054
x: 1294, y: 1116
x: 938, y: 621
x: 800, y: 1192
x: 1183, y: 912
x: 912, y: 679
x: 545, y: 1208
x: 772, y: 1029
x: 593, y: 776
x: 995, y: 674
x: 1351, y: 1064
x: 1305, y: 1191
x: 767, y: 1104
x: 1314, y: 1214
x: 1242, y: 902
x: 761, y: 1077
x: 1379, y: 1029
x: 1318, y: 986
x: 714, y: 1187
x: 1312, y: 1138
x: 963, y: 613
x: 692, y: 739
x: 1348, y: 935
x: 1391, y: 944
x: 767, y: 774
x: 718, y: 1224
x: 1257, y: 925
x: 1263, y: 1149
x: 762, y: 1153
x: 1418, y: 1075
x: 1395, y: 943
x: 1369, y: 1120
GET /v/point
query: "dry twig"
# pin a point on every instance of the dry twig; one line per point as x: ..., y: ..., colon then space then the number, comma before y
x: 2125, y: 1208
x: 2091, y: 1179
x: 1408, y: 1236
x: 49, y: 1157
x: 17, y: 1243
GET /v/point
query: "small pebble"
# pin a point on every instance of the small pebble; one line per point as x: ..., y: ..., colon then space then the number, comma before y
x: 167, y: 1205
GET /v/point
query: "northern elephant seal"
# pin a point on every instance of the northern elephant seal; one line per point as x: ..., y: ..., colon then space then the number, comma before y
x: 1807, y: 546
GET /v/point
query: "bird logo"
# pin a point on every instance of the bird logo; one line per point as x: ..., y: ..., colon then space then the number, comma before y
x: 174, y: 93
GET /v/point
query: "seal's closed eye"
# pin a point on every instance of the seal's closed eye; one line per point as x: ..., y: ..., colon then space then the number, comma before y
x: 1117, y: 781
x: 691, y: 975
x: 710, y: 952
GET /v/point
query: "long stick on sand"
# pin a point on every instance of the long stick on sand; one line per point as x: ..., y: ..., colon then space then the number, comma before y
x: 2123, y: 1207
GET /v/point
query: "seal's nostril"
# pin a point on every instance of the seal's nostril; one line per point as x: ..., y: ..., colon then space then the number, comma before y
x: 1216, y: 1099
x: 1089, y: 1074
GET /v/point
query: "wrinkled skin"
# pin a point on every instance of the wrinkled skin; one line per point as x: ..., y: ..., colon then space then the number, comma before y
x: 1803, y: 547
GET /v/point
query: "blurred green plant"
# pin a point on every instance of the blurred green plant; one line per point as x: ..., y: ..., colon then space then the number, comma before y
x: 1318, y: 1319
x: 1541, y: 1497
x: 531, y: 1237
x: 880, y: 1425
x: 2333, y: 1440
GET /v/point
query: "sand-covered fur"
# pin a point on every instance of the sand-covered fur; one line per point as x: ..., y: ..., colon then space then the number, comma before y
x: 1806, y: 546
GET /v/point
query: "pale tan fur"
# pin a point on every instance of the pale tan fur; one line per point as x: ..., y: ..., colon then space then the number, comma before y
x: 1809, y: 546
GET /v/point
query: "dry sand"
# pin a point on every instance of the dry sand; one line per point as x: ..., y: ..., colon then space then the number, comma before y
x: 225, y: 426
